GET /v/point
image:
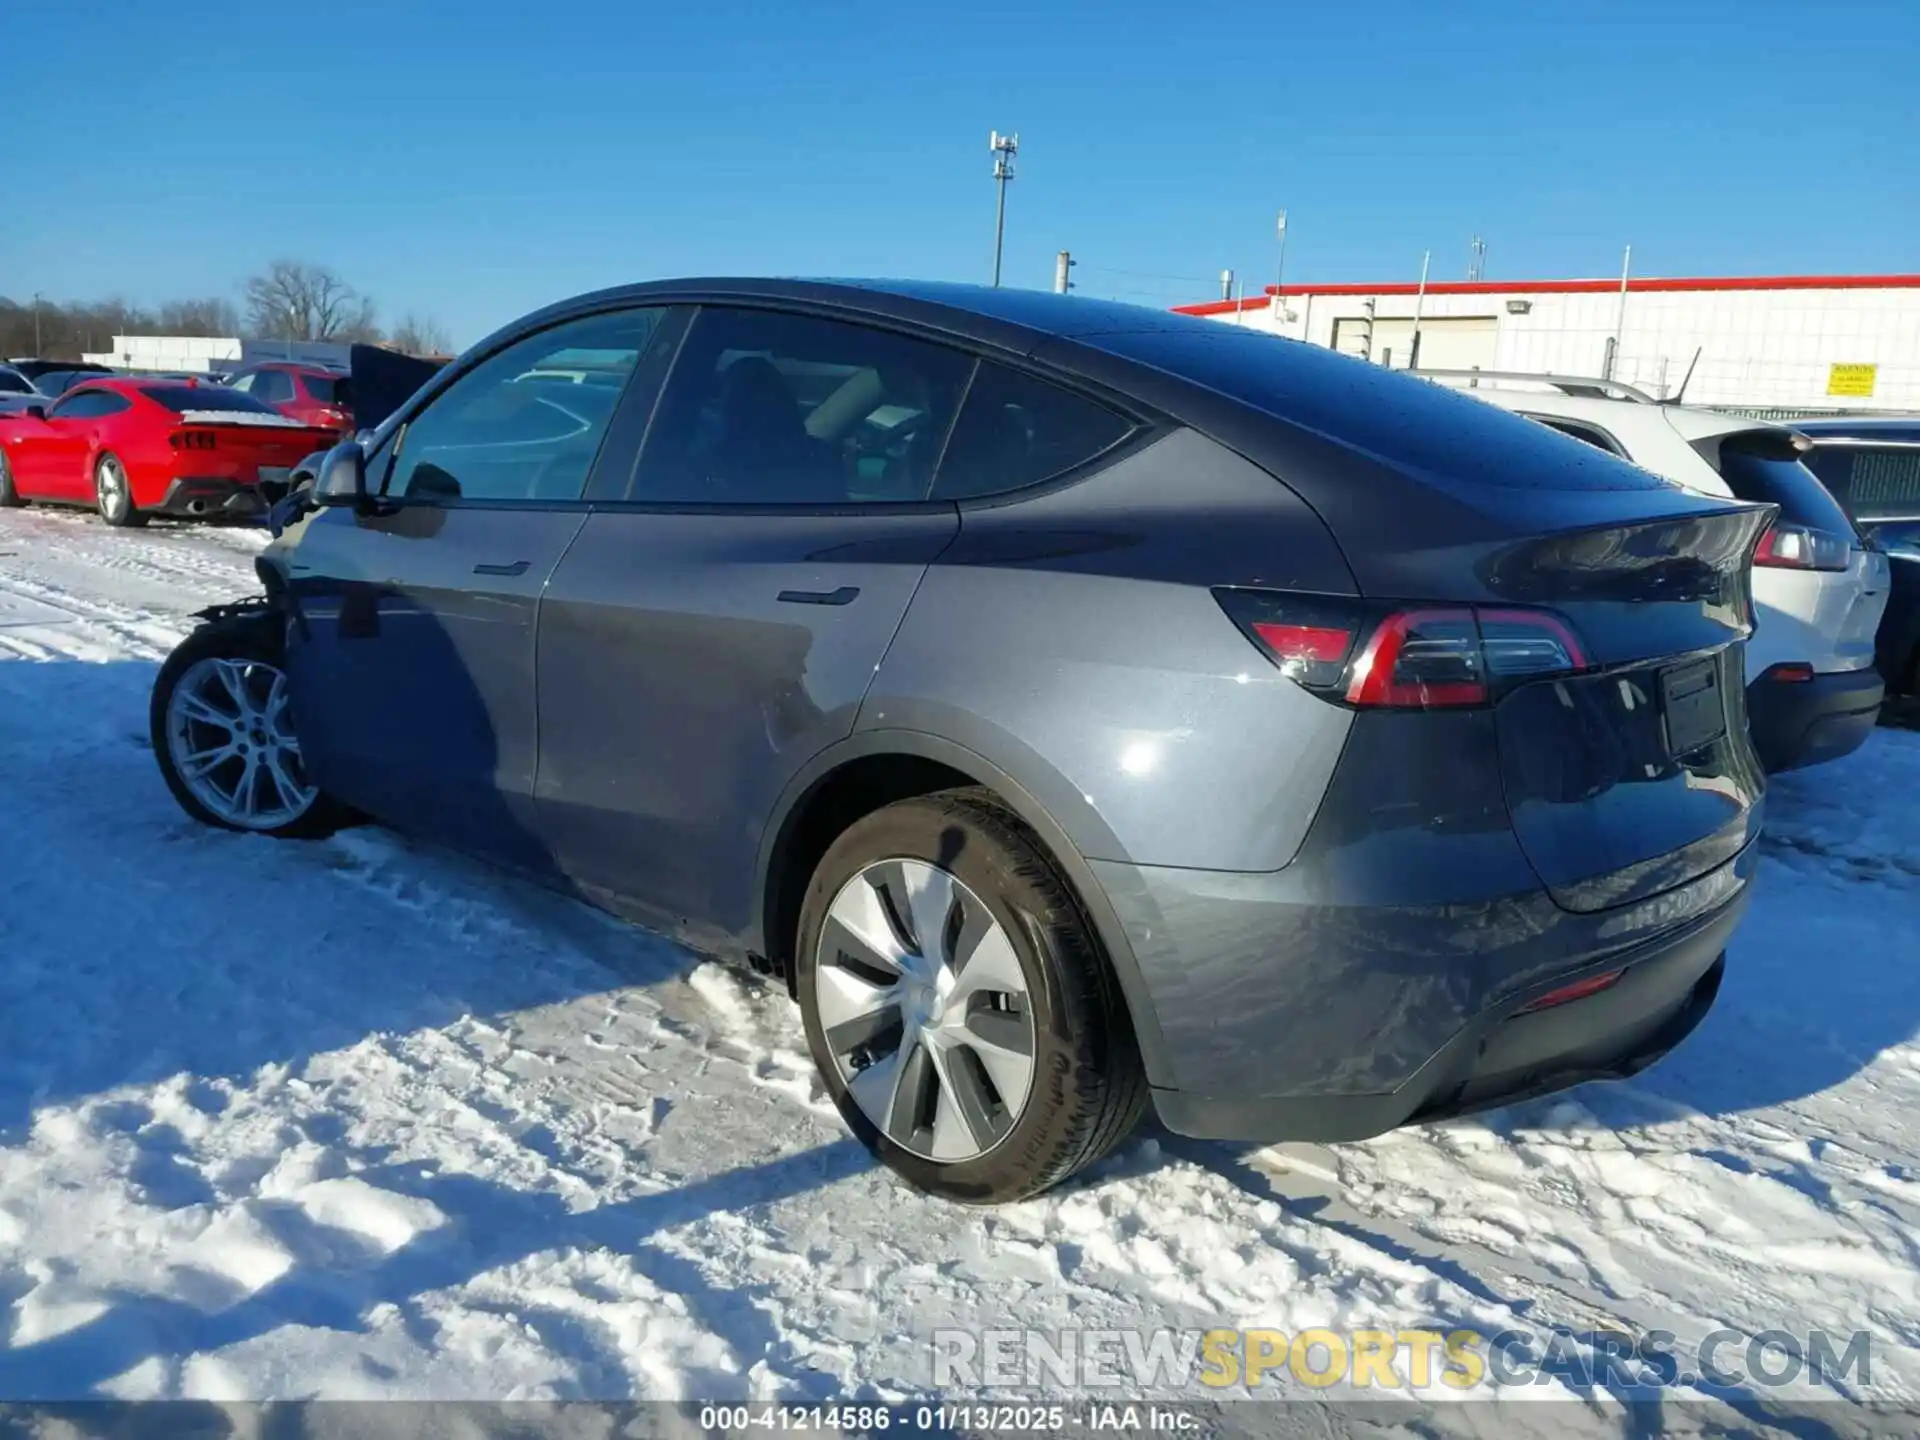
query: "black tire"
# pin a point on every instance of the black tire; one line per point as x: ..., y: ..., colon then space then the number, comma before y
x: 1089, y: 1088
x: 10, y: 497
x: 242, y: 637
x: 115, y: 506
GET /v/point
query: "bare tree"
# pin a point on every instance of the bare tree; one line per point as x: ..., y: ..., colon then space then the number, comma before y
x: 295, y: 300
x: 207, y: 315
x: 419, y: 334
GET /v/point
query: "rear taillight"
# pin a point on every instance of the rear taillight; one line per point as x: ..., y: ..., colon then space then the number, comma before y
x: 1578, y: 990
x: 1415, y: 657
x: 1786, y: 546
x: 192, y: 440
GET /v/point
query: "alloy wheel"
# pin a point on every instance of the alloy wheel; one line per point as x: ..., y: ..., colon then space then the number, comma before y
x: 230, y: 737
x: 926, y: 1010
x: 110, y: 488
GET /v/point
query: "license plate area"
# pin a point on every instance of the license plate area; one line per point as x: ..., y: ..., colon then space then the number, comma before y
x: 1692, y: 706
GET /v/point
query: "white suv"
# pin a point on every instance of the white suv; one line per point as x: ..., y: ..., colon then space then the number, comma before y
x: 1818, y: 590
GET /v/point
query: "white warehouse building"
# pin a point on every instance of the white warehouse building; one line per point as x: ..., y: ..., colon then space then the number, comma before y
x: 1790, y: 343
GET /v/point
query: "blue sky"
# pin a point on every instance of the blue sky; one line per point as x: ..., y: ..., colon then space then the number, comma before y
x: 475, y: 160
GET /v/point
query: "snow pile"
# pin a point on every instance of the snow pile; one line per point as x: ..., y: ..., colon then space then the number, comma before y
x: 267, y: 418
x: 358, y: 1119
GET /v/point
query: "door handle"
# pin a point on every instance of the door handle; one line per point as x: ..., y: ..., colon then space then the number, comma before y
x: 518, y: 567
x: 843, y: 596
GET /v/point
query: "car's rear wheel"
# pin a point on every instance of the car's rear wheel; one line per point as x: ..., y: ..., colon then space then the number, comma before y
x: 957, y: 1004
x: 10, y: 496
x: 113, y: 493
x: 223, y: 732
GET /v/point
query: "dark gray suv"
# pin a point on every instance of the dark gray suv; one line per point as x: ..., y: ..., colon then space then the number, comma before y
x: 1078, y: 706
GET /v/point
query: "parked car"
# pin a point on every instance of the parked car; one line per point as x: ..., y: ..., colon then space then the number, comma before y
x: 311, y: 394
x: 1812, y: 691
x: 1871, y: 464
x: 34, y: 369
x: 133, y: 449
x: 19, y: 390
x: 1078, y: 705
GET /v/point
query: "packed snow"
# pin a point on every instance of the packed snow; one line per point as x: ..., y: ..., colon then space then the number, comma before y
x: 360, y: 1119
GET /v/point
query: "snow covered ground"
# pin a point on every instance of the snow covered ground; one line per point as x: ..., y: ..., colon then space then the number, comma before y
x: 357, y: 1119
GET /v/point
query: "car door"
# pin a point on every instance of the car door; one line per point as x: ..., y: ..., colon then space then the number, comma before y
x: 719, y: 618
x: 59, y: 453
x: 412, y: 662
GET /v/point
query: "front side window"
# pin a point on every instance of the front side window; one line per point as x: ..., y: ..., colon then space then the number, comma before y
x: 88, y: 405
x: 1015, y: 431
x: 765, y: 408
x: 506, y: 430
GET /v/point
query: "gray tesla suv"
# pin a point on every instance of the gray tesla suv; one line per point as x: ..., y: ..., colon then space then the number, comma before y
x: 1078, y: 706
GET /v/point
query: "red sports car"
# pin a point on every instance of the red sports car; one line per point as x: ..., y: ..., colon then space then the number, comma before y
x: 138, y: 448
x: 307, y: 393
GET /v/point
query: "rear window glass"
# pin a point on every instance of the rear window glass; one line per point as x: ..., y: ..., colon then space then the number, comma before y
x: 182, y: 398
x: 1410, y: 423
x: 1871, y: 481
x: 320, y: 388
x: 1756, y: 469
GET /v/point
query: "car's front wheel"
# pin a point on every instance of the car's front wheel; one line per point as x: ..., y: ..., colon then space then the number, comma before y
x: 957, y: 1005
x: 10, y: 496
x: 113, y: 493
x: 223, y: 732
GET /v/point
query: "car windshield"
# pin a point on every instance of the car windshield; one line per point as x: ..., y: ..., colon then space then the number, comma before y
x: 182, y: 398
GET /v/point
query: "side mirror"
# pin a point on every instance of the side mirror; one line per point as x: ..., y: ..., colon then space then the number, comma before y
x: 342, y: 477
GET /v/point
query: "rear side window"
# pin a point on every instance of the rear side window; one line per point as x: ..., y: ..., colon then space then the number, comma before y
x: 319, y: 388
x: 1872, y: 481
x: 1015, y: 431
x: 1762, y: 466
x: 766, y: 408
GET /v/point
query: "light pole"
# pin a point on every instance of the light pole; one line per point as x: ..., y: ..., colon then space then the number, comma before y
x: 1278, y: 311
x: 1004, y: 148
x: 36, y: 324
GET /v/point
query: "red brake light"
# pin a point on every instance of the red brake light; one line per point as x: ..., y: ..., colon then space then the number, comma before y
x: 1786, y: 546
x: 1318, y: 643
x: 192, y: 440
x: 1411, y: 657
x: 1426, y: 659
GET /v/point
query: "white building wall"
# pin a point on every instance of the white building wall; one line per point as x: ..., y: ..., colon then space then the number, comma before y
x: 1758, y: 348
x: 191, y: 354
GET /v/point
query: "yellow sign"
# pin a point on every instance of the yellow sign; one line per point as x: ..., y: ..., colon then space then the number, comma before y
x: 1851, y: 379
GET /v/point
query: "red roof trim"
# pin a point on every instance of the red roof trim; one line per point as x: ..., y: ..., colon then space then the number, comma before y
x: 1644, y: 286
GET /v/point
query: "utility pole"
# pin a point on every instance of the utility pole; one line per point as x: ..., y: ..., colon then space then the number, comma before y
x: 1279, y: 309
x: 1419, y: 304
x: 36, y: 324
x: 1619, y: 315
x: 1062, y: 281
x: 1004, y: 148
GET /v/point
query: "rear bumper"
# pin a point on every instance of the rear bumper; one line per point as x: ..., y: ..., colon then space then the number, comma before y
x: 1289, y: 1020
x: 211, y: 498
x: 1806, y: 722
